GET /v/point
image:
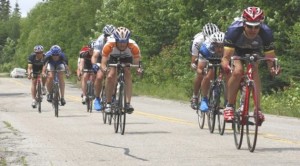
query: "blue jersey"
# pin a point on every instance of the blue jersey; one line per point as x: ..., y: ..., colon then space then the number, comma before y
x: 235, y: 38
x: 62, y: 59
x: 207, y: 50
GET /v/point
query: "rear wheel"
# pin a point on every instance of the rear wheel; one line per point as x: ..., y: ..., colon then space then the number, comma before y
x: 252, y: 118
x: 90, y: 96
x: 122, y: 101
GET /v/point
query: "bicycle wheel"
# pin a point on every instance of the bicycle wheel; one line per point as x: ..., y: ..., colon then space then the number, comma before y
x: 103, y: 103
x: 90, y: 95
x: 39, y: 96
x: 201, y: 115
x: 211, y: 114
x: 117, y: 109
x: 221, y: 102
x: 122, y: 101
x: 251, y: 104
x: 116, y: 119
x: 55, y: 99
x: 238, y: 126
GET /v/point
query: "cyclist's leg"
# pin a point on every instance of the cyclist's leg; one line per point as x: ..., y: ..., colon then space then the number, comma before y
x: 233, y: 86
x: 110, y: 82
x: 98, y: 87
x: 84, y: 80
x: 204, y: 85
x: 257, y: 81
x: 33, y: 91
x: 61, y: 80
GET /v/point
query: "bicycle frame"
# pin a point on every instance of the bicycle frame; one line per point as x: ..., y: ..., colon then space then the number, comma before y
x: 38, y: 92
x: 90, y: 96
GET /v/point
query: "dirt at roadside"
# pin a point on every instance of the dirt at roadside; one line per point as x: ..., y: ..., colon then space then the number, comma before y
x: 10, y: 139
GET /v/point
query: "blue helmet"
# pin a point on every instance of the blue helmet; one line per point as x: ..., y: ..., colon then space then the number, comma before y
x: 55, y: 49
x: 38, y: 48
x: 122, y: 35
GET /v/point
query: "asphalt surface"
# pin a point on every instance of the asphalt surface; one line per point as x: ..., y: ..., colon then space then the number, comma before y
x: 159, y: 132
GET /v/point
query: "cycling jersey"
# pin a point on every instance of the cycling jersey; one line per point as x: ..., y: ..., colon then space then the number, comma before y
x: 207, y: 50
x: 37, y: 65
x: 62, y: 59
x: 197, y: 42
x: 87, y: 59
x: 235, y: 38
x: 110, y: 48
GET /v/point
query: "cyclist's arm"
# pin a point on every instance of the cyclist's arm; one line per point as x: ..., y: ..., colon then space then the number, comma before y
x: 270, y: 54
x: 95, y: 56
x: 29, y: 70
x: 81, y: 65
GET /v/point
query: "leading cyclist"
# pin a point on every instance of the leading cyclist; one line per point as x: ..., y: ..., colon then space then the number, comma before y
x: 248, y: 36
x: 55, y: 58
x: 120, y: 44
x: 35, y: 66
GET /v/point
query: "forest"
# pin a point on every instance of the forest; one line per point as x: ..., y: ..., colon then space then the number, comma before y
x: 163, y: 30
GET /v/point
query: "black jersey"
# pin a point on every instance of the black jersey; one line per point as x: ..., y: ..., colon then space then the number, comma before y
x: 37, y: 65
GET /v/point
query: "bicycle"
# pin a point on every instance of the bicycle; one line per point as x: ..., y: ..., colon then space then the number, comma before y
x: 39, y: 95
x: 216, y: 96
x: 90, y: 94
x: 119, y: 97
x: 248, y: 116
x: 56, y: 92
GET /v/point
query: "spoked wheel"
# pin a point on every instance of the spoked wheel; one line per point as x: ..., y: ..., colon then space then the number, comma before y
x: 122, y: 112
x: 90, y: 96
x: 55, y: 100
x: 221, y: 102
x: 201, y: 115
x: 116, y: 119
x: 39, y: 97
x: 252, y: 118
x: 211, y: 114
x: 238, y: 129
x: 104, y: 116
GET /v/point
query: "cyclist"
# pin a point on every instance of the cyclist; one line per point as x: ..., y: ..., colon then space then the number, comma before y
x: 212, y: 47
x: 207, y: 30
x: 96, y: 60
x: 245, y: 37
x: 120, y: 44
x: 35, y: 66
x: 83, y: 49
x: 55, y: 57
x: 85, y: 64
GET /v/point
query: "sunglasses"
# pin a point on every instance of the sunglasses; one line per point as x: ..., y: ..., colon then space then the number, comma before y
x: 55, y: 54
x: 253, y: 27
x: 106, y: 35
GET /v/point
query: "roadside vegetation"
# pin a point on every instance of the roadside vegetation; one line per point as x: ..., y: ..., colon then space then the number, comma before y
x: 164, y: 30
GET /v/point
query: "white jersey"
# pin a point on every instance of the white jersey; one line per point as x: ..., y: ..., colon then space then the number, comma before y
x: 197, y: 42
x: 100, y: 42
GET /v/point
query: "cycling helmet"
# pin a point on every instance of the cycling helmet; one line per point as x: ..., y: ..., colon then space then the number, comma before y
x: 38, y: 48
x: 122, y: 34
x: 253, y: 16
x: 108, y: 30
x: 209, y: 29
x: 55, y: 49
x: 91, y: 44
x: 217, y: 37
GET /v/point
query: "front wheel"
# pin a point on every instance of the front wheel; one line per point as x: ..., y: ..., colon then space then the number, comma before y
x: 221, y: 103
x: 39, y: 97
x: 252, y: 117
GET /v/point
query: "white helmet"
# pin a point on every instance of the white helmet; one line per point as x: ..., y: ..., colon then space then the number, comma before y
x: 108, y: 30
x: 209, y: 29
x: 122, y: 34
x: 38, y: 48
x: 217, y: 37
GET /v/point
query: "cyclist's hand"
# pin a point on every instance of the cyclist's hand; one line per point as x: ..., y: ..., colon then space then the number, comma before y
x: 95, y: 68
x: 193, y: 66
x: 226, y: 68
x: 79, y: 76
x: 139, y: 71
x: 275, y: 72
x: 29, y: 76
x: 44, y: 75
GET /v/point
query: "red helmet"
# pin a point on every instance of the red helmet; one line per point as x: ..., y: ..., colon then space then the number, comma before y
x: 253, y: 16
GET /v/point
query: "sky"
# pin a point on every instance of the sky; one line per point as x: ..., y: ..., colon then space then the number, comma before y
x: 24, y: 5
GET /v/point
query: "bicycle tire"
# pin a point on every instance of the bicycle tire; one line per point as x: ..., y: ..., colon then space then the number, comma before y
x: 122, y: 101
x: 251, y: 105
x: 211, y: 113
x: 201, y: 115
x: 238, y: 126
x: 39, y: 96
x: 221, y: 103
x: 103, y: 103
x: 90, y: 94
x: 55, y: 99
x: 117, y: 109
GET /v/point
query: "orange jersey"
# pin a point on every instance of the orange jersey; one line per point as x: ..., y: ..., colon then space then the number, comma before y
x: 110, y: 48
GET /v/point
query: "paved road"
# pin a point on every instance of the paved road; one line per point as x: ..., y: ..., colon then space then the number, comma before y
x: 159, y: 132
